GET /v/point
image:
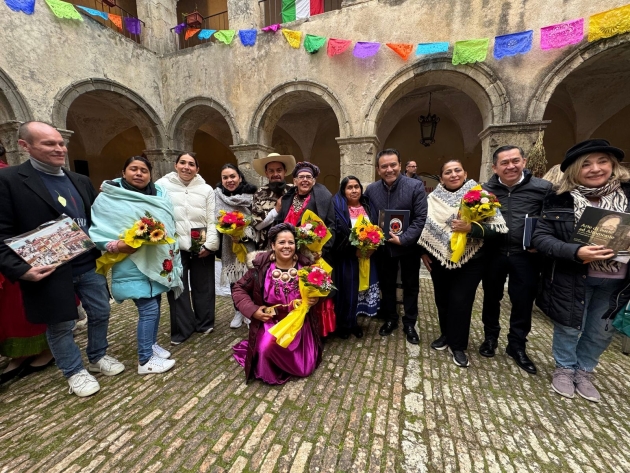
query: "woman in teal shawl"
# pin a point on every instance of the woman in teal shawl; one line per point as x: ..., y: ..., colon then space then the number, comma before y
x: 149, y: 270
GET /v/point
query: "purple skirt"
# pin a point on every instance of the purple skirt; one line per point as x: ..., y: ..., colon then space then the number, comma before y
x: 274, y: 364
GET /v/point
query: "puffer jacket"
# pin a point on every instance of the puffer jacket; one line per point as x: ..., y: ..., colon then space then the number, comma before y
x: 517, y: 202
x: 194, y: 208
x: 563, y: 283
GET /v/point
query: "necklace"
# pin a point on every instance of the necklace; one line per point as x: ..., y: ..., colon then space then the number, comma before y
x: 284, y: 280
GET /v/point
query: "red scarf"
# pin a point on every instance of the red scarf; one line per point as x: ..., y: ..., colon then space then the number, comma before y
x: 293, y: 217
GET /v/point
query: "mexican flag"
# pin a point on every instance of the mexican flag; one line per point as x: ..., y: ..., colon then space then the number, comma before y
x: 297, y: 9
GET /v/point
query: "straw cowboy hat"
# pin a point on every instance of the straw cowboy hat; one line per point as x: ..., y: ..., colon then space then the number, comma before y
x: 286, y: 159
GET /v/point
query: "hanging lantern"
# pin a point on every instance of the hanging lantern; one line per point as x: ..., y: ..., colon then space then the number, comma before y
x: 194, y: 20
x: 428, y: 124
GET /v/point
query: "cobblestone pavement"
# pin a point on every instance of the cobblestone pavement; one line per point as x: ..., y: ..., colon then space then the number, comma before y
x: 375, y: 404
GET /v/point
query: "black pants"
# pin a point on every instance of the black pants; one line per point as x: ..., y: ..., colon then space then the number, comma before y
x: 455, y: 291
x: 410, y: 276
x: 524, y: 271
x: 183, y: 320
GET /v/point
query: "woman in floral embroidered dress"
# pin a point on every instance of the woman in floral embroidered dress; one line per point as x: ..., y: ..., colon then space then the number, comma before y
x: 273, y: 280
x: 349, y: 204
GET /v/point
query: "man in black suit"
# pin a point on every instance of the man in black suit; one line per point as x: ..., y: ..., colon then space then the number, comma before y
x: 34, y: 193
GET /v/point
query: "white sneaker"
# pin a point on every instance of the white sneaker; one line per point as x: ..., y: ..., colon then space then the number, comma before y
x: 107, y: 365
x: 156, y: 365
x: 237, y: 321
x: 161, y: 352
x: 83, y: 384
x: 246, y: 321
x: 210, y: 330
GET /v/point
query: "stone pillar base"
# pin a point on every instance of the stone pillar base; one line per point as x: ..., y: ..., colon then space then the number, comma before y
x: 162, y: 160
x: 8, y: 135
x: 523, y: 135
x: 245, y: 155
x: 357, y: 156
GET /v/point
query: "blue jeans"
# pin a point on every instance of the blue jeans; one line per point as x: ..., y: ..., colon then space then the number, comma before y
x: 581, y: 349
x: 148, y: 322
x: 92, y: 291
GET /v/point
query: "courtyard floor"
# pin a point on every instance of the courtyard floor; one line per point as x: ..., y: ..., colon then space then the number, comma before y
x: 374, y: 404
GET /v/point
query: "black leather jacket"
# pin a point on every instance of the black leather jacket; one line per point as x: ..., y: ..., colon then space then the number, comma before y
x: 525, y: 198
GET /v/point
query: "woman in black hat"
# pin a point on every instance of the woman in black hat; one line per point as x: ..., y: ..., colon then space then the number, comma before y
x: 582, y: 286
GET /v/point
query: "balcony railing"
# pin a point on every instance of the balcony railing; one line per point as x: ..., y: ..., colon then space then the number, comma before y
x: 117, y: 10
x: 218, y: 21
x: 273, y: 9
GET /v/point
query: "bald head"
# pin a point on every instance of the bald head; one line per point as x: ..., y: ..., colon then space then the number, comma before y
x: 43, y: 142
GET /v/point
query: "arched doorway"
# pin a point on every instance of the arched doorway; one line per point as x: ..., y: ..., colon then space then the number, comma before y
x: 303, y: 119
x: 589, y: 100
x: 207, y: 128
x: 13, y: 111
x: 110, y: 124
x: 466, y: 99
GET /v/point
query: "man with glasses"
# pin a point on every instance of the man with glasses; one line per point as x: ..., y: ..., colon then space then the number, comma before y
x: 410, y: 170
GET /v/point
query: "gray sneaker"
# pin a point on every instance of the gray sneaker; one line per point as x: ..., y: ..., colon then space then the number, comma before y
x: 562, y: 382
x: 584, y: 386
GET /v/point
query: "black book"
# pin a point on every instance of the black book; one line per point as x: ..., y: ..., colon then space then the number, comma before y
x: 530, y: 226
x: 395, y: 221
x: 606, y: 228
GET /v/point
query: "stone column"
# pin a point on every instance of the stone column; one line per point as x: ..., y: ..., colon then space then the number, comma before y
x: 162, y: 161
x: 8, y: 135
x: 245, y: 155
x: 245, y: 15
x: 66, y: 134
x: 522, y: 134
x: 357, y: 156
x: 159, y: 17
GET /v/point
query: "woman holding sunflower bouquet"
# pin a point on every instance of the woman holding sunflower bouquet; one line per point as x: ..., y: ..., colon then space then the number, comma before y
x: 133, y: 221
x: 352, y: 300
x: 453, y: 252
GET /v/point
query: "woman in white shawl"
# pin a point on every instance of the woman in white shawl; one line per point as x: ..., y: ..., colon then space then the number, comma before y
x: 454, y: 284
x: 234, y: 193
x: 148, y: 271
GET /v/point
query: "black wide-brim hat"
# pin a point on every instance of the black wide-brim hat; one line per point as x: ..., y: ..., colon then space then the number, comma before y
x: 587, y: 147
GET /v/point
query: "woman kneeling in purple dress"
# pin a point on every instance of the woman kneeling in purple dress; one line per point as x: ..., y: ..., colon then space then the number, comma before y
x: 273, y: 281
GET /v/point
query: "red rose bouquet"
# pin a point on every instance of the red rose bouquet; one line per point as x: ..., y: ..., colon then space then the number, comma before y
x: 197, y: 239
x: 313, y: 234
x: 234, y: 224
x: 477, y: 205
x: 314, y: 282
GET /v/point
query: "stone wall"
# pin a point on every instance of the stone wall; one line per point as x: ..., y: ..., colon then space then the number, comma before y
x: 51, y: 62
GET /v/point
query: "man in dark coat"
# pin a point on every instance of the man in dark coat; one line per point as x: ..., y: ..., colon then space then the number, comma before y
x: 34, y: 193
x: 520, y: 195
x: 397, y: 192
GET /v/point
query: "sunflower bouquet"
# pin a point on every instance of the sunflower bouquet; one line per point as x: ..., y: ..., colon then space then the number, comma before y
x: 234, y: 224
x: 145, y: 231
x: 476, y: 206
x: 366, y: 237
x: 314, y: 281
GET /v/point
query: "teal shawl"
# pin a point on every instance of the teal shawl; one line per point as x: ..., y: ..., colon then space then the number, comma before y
x: 116, y: 209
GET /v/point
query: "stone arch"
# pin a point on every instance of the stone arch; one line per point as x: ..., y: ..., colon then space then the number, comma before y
x: 12, y: 103
x: 283, y: 97
x: 191, y: 114
x: 142, y: 114
x: 476, y: 80
x: 548, y: 85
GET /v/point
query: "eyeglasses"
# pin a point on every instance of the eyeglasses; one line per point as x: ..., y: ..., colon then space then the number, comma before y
x: 305, y: 178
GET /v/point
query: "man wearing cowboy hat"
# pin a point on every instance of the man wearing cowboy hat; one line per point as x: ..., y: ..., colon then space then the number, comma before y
x: 266, y: 202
